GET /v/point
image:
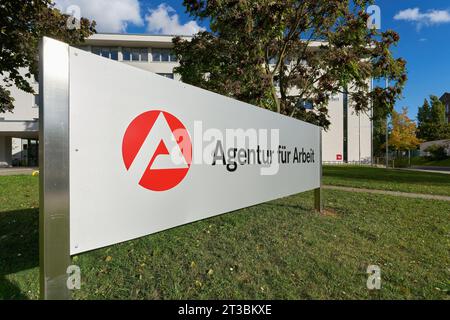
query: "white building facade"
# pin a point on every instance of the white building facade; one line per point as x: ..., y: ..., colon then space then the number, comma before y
x: 348, y: 140
x: 19, y: 130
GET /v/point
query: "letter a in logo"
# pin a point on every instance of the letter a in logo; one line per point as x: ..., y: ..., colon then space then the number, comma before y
x: 157, y: 150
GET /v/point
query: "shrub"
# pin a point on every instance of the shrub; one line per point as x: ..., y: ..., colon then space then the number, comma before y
x: 437, y: 152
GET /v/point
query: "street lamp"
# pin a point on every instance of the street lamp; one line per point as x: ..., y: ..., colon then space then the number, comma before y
x: 387, y: 132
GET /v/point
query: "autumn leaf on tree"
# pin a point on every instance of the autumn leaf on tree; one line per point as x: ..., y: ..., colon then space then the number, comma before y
x: 403, y: 134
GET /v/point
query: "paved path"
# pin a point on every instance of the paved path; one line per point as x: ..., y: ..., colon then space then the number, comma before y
x: 390, y: 193
x: 16, y: 171
x: 423, y: 170
x: 444, y: 170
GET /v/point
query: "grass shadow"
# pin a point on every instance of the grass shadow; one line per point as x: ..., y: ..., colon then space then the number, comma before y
x: 10, y: 291
x: 19, y: 240
x: 279, y: 204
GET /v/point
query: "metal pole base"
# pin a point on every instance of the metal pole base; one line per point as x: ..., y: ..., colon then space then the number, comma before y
x: 318, y: 200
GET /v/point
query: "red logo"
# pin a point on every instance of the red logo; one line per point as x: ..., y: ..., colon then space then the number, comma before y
x: 157, y: 150
x: 339, y: 157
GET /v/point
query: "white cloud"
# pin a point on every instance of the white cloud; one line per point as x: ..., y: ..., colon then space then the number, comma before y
x: 439, y: 16
x: 164, y: 20
x: 110, y: 15
x: 431, y: 17
x: 408, y: 14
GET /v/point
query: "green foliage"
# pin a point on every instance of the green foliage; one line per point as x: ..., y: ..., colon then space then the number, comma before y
x: 437, y: 110
x: 6, y: 100
x: 379, y: 132
x: 278, y: 54
x: 22, y: 25
x: 424, y: 113
x: 438, y: 152
x: 431, y: 120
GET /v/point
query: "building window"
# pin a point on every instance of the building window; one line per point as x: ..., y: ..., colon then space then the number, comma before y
x: 84, y: 48
x: 163, y: 55
x: 135, y: 54
x: 305, y: 104
x: 110, y: 53
x: 308, y: 105
x: 167, y: 75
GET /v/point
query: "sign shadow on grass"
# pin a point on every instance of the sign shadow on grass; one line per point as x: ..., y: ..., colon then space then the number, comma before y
x: 19, y: 248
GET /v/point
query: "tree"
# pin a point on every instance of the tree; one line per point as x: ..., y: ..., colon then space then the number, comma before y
x: 285, y: 54
x: 379, y: 136
x: 22, y: 25
x: 424, y: 121
x: 424, y: 114
x: 403, y: 132
x: 437, y: 110
x: 431, y: 120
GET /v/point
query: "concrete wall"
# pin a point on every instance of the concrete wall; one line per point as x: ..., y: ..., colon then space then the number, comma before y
x: 359, y: 137
x: 359, y: 134
x: 17, y: 150
x: 23, y: 120
x: 333, y: 138
x: 156, y: 67
x: 25, y: 106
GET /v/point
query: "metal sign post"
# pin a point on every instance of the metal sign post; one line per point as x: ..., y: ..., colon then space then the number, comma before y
x: 54, y: 249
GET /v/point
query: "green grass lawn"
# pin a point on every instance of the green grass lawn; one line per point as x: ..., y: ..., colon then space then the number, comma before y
x: 387, y: 179
x: 432, y: 163
x: 278, y: 250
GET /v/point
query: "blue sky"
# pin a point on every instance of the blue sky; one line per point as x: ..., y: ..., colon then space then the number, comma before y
x: 424, y: 28
x: 425, y: 45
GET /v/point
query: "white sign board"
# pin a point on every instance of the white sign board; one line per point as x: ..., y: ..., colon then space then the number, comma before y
x: 149, y: 153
